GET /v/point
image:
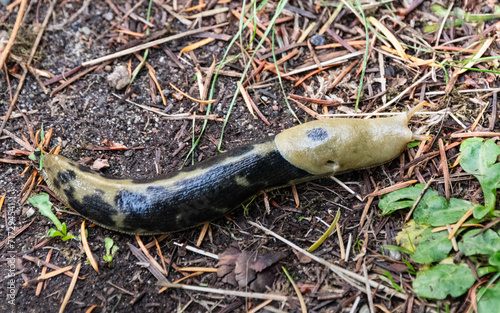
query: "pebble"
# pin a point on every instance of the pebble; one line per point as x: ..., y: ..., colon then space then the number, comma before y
x: 108, y: 16
x: 128, y: 153
x: 85, y: 30
x: 30, y: 212
x: 119, y: 78
x: 318, y: 40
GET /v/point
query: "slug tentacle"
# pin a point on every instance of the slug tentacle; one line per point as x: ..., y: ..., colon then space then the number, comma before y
x: 215, y: 187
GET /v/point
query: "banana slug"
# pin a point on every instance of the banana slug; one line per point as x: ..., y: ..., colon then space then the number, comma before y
x: 215, y: 187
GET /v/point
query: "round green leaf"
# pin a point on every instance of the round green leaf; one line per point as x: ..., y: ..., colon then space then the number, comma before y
x: 442, y: 280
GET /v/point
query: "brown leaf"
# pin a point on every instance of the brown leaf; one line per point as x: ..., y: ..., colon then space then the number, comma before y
x: 304, y: 259
x: 247, y: 268
x: 266, y: 260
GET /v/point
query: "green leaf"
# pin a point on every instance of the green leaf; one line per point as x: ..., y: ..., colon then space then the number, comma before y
x: 114, y: 250
x: 442, y: 280
x: 479, y: 158
x: 42, y: 203
x: 107, y: 258
x: 388, y: 278
x: 433, y: 247
x: 436, y: 211
x: 412, y: 144
x: 485, y: 243
x: 495, y: 259
x: 54, y: 233
x: 67, y: 237
x: 404, y: 198
x: 108, y: 243
x: 490, y: 301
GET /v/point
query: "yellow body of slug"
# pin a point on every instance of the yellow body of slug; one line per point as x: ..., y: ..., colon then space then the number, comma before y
x: 215, y: 187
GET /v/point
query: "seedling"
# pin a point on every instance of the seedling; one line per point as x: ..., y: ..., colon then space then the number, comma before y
x: 111, y: 249
x: 42, y: 203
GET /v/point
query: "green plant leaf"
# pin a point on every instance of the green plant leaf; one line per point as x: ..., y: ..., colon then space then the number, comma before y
x: 42, y: 203
x: 54, y: 233
x: 108, y: 243
x: 495, y: 259
x: 479, y: 158
x: 442, y: 280
x: 388, y: 278
x: 490, y: 301
x: 67, y: 237
x: 485, y: 243
x: 404, y: 198
x: 436, y: 211
x: 433, y: 247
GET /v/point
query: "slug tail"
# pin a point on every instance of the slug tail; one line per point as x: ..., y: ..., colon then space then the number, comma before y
x: 414, y: 110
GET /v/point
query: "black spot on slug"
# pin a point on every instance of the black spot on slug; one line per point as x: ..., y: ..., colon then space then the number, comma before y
x: 66, y: 176
x: 317, y: 134
x: 56, y: 183
x: 92, y: 206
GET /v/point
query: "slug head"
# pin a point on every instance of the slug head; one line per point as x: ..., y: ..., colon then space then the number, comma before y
x: 337, y: 145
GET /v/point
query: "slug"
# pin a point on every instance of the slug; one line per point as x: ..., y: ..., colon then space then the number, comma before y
x: 215, y: 187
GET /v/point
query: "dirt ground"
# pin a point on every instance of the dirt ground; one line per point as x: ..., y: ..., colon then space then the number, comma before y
x: 90, y: 111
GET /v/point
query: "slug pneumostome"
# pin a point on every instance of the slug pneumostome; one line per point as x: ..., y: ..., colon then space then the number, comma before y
x: 215, y: 187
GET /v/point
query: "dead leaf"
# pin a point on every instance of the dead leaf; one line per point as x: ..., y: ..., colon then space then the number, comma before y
x: 304, y: 259
x: 248, y: 268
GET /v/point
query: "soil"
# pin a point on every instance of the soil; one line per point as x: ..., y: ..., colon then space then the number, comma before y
x: 90, y: 111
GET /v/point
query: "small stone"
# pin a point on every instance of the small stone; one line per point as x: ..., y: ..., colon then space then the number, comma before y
x: 85, y: 30
x: 30, y: 212
x: 264, y: 98
x: 128, y: 153
x: 396, y: 255
x: 120, y: 77
x: 108, y: 16
x: 317, y: 40
x: 108, y: 68
x: 276, y: 108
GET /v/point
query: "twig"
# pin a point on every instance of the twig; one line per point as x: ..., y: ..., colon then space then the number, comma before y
x: 254, y: 295
x: 199, y: 251
x: 343, y: 58
x: 13, y: 34
x: 70, y: 288
x: 151, y: 44
x: 180, y: 116
x: 71, y: 80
